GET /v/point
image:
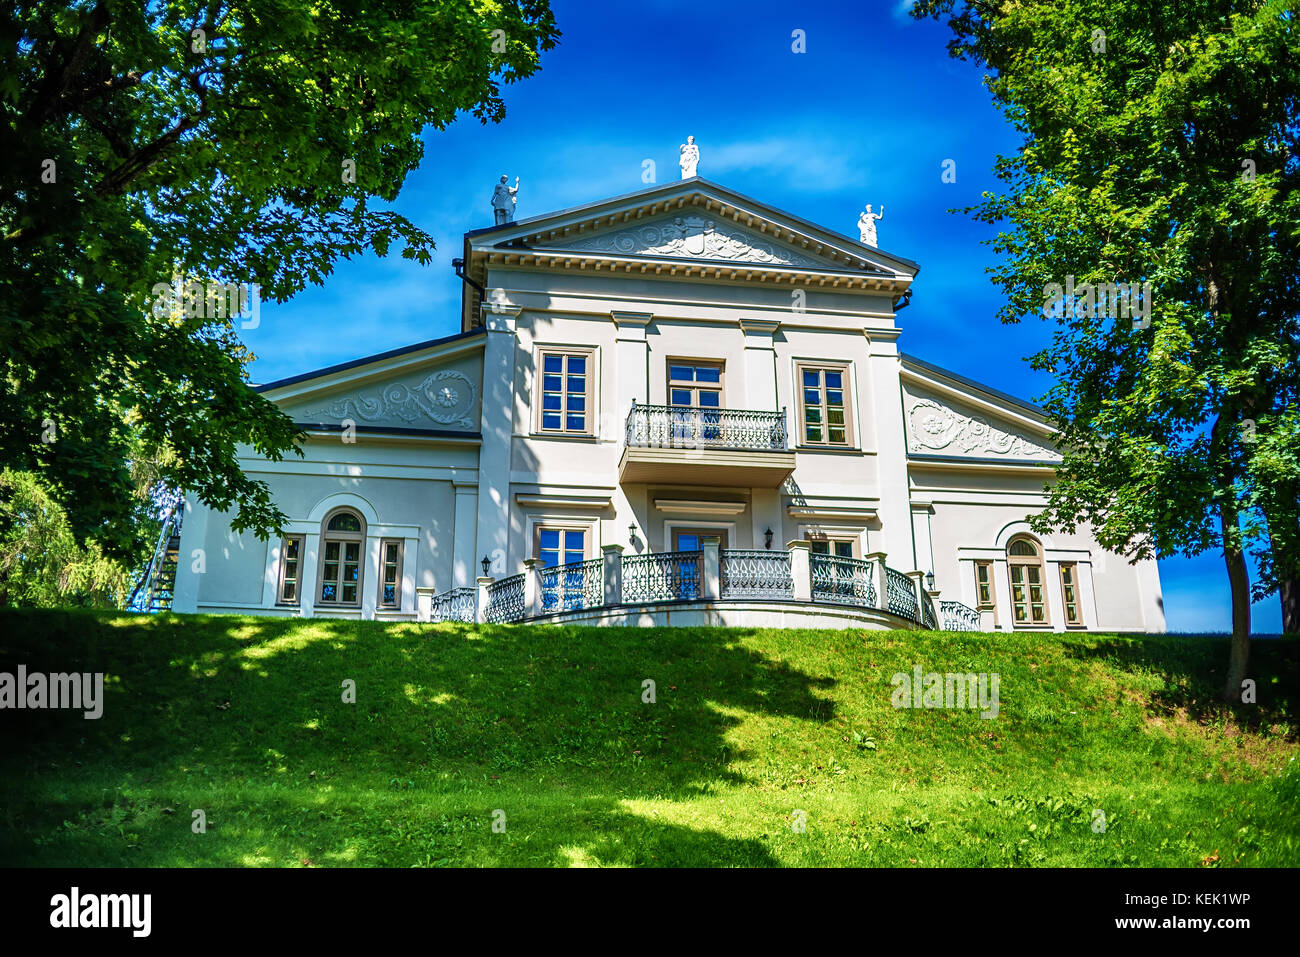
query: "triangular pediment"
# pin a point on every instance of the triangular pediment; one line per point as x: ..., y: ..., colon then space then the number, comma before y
x: 435, y: 387
x: 947, y: 416
x: 692, y: 235
x: 693, y: 221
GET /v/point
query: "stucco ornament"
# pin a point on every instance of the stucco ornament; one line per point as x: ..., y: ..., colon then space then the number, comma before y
x: 693, y: 237
x: 934, y: 427
x: 443, y: 397
x: 690, y: 157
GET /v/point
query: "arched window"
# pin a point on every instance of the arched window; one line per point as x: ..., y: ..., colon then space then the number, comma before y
x: 1025, y: 566
x: 342, y: 543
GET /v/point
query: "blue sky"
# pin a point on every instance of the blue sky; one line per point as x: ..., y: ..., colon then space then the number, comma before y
x: 868, y: 114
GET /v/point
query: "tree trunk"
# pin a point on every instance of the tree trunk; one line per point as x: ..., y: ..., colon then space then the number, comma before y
x: 1290, y: 595
x: 1239, y: 580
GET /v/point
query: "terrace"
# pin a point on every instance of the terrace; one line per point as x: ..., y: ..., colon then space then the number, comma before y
x: 794, y: 587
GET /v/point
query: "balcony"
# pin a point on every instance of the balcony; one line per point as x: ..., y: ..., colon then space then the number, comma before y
x: 719, y: 447
x: 744, y: 587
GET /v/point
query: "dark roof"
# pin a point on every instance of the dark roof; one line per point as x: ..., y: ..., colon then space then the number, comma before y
x: 978, y: 386
x: 388, y: 430
x: 378, y: 357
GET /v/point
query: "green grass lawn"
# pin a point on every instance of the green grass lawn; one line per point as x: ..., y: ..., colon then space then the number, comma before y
x: 544, y: 730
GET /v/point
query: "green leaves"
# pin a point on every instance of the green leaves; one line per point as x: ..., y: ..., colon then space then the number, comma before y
x: 217, y: 156
x: 1168, y: 157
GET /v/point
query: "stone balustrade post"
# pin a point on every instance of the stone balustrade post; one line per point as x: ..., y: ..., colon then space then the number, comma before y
x: 612, y: 574
x: 480, y: 605
x: 801, y: 568
x: 711, y: 587
x: 532, y: 587
x: 881, y: 579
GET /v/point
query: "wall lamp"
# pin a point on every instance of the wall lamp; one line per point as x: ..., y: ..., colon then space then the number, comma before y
x: 767, y: 539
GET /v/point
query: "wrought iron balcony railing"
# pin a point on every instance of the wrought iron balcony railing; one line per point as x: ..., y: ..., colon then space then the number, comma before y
x: 679, y: 427
x: 742, y: 574
x: 843, y: 580
x: 754, y: 573
x: 956, y: 616
x: 662, y: 576
x: 572, y: 587
x: 455, y: 605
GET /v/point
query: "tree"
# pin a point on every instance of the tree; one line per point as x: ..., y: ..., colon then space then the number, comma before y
x: 1160, y: 147
x: 41, y: 563
x: 240, y: 146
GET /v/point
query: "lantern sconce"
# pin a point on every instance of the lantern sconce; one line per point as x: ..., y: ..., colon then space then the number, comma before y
x: 767, y: 539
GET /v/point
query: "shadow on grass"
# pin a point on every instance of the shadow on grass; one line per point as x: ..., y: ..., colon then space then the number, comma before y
x: 1192, y: 670
x: 557, y: 718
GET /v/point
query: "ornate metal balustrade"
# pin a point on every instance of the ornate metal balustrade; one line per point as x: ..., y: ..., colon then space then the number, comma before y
x: 928, y: 616
x: 676, y: 427
x: 455, y: 605
x: 958, y: 617
x: 754, y: 573
x: 901, y: 595
x: 662, y: 576
x: 505, y: 600
x: 845, y: 581
x: 743, y: 573
x: 573, y: 587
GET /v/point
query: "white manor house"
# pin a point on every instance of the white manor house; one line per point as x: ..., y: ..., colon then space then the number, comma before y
x: 679, y: 406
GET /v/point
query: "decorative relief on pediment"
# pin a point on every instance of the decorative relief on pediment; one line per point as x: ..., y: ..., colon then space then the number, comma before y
x: 693, y: 237
x: 932, y: 427
x: 445, y: 397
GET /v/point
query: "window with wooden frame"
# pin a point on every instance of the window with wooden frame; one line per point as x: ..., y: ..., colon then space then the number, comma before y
x: 566, y: 398
x: 825, y: 412
x: 695, y: 383
x: 1070, y: 594
x: 561, y: 544
x: 290, y: 568
x: 984, y: 597
x: 839, y: 547
x: 390, y: 573
x: 343, y: 537
x: 1025, y: 568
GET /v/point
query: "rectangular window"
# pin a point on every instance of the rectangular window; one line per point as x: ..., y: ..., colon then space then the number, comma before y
x: 824, y: 405
x: 340, y: 572
x: 566, y: 394
x: 1027, y: 604
x: 983, y: 585
x: 390, y: 574
x: 695, y: 383
x: 840, y: 547
x: 290, y: 562
x: 560, y: 546
x: 1070, y: 594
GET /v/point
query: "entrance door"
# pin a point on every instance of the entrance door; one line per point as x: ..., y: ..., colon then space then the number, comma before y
x: 692, y: 539
x: 695, y: 386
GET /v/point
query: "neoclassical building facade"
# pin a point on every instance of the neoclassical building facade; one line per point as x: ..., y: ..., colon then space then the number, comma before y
x: 676, y: 406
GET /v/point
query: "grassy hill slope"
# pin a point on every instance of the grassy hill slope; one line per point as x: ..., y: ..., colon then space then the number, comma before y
x: 544, y: 731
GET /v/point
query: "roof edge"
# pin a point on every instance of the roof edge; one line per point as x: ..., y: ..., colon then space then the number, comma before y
x: 980, y: 386
x: 366, y: 360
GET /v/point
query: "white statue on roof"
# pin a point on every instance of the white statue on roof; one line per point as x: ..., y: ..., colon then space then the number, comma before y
x: 867, y: 225
x: 690, y: 157
x: 503, y: 201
